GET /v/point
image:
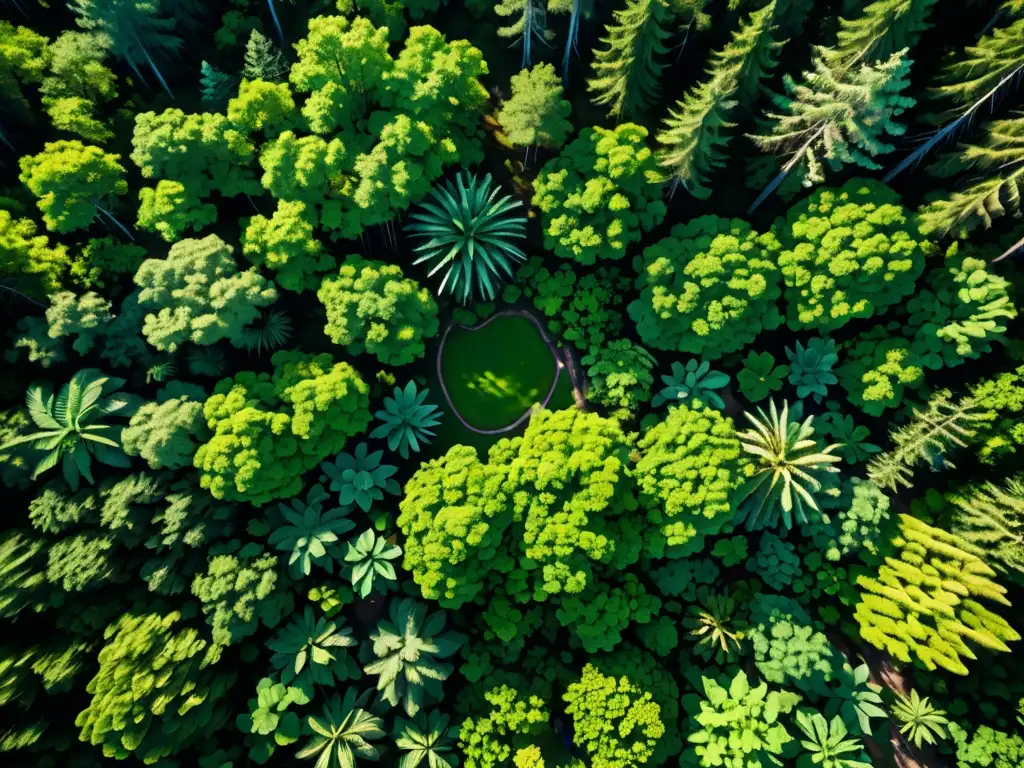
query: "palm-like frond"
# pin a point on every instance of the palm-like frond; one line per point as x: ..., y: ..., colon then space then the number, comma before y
x: 922, y: 721
x: 827, y: 743
x: 343, y: 733
x: 309, y: 530
x: 469, y: 232
x: 789, y: 469
x: 268, y: 333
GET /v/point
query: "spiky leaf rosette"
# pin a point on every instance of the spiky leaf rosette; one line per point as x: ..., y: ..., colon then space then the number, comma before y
x: 789, y: 468
x: 344, y: 732
x: 469, y: 232
x: 694, y: 380
x: 309, y: 531
x: 407, y: 420
x: 306, y: 652
x: 369, y: 557
x: 360, y: 478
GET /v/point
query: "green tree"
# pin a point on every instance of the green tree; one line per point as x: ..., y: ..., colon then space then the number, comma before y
x: 407, y: 651
x: 369, y: 558
x: 285, y: 244
x: 197, y: 294
x: 737, y: 725
x: 626, y: 73
x: 29, y: 266
x: 620, y: 376
x: 167, y: 433
x: 879, y: 369
x: 406, y: 420
x: 488, y: 741
x: 883, y: 27
x: 694, y: 381
x: 270, y: 428
x: 263, y: 60
x: 216, y: 87
x: 262, y: 107
x: 269, y: 723
x: 239, y: 590
x: 153, y: 716
x: 689, y: 466
x: 614, y: 721
x: 72, y: 432
x: 22, y: 63
x: 835, y: 117
x: 924, y: 600
x: 697, y: 132
x: 847, y: 253
x: 921, y: 720
x: 302, y: 168
x: 360, y: 478
x: 373, y: 308
x: 708, y: 289
x: 529, y: 23
x: 171, y: 210
x: 84, y: 317
x: 599, y: 195
x: 73, y: 182
x: 76, y: 81
x: 826, y: 743
x: 135, y: 31
x: 536, y: 114
x: 426, y: 738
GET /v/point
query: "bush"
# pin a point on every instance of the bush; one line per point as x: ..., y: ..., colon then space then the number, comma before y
x: 708, y: 289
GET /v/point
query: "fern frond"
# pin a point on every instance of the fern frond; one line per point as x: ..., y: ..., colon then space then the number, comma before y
x: 930, y: 435
x: 993, y: 518
x: 883, y: 28
x: 993, y: 64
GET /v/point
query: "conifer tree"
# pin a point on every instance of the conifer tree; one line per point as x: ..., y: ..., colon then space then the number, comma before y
x: 932, y: 432
x: 1000, y: 160
x: 626, y: 73
x: 979, y: 77
x: 836, y: 117
x: 992, y: 518
x: 883, y: 28
x: 925, y: 600
x: 263, y: 60
x: 216, y: 87
x: 528, y: 22
x: 692, y: 137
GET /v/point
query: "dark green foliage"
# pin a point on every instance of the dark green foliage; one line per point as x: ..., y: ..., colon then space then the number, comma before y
x: 217, y: 87
x: 469, y: 232
x: 991, y: 518
x: 310, y: 532
x: 360, y: 478
x: 310, y: 652
x: 263, y: 60
x: 692, y: 381
x: 269, y: 723
x: 343, y: 732
x: 406, y: 420
x: 788, y: 650
x: 760, y: 376
x: 811, y: 367
x: 620, y: 376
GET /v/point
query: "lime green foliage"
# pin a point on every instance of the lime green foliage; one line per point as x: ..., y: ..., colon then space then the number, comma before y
x: 826, y: 743
x: 240, y: 590
x: 614, y: 721
x: 714, y: 629
x: 708, y: 289
x: 1000, y: 428
x: 402, y: 120
x: 599, y: 195
x: 102, y: 260
x: 811, y: 367
x: 789, y: 468
x: 301, y: 168
x: 453, y: 517
x: 406, y: 420
x: 536, y: 114
x: 987, y: 747
x: 197, y: 294
x: 344, y: 732
x: 924, y: 600
x: 426, y: 738
x: 26, y: 258
x: 309, y: 652
x: 921, y: 721
x: 852, y: 437
x: 468, y: 232
x: 600, y: 614
x: 170, y: 209
x: 487, y: 741
x: 694, y: 381
x: 263, y: 59
x: 489, y: 387
x: 269, y: 724
x: 76, y: 82
x: 689, y: 465
x: 83, y: 317
x: 620, y: 376
x: 373, y: 308
x: 697, y: 131
x: 407, y: 651
x: 738, y: 726
x: 859, y: 527
x: 775, y: 562
x: 167, y: 433
x: 309, y: 532
x: 23, y: 63
x: 359, y: 478
x: 368, y: 557
x: 269, y: 429
x: 136, y: 712
x: 582, y: 310
x: 626, y: 73
x: 731, y: 551
x: 837, y: 116
x: 847, y: 253
x: 15, y: 466
x: 284, y: 243
x: 760, y: 376
x: 72, y: 182
x: 262, y: 106
x: 787, y: 648
x: 69, y: 427
x: 963, y: 309
x: 879, y: 368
